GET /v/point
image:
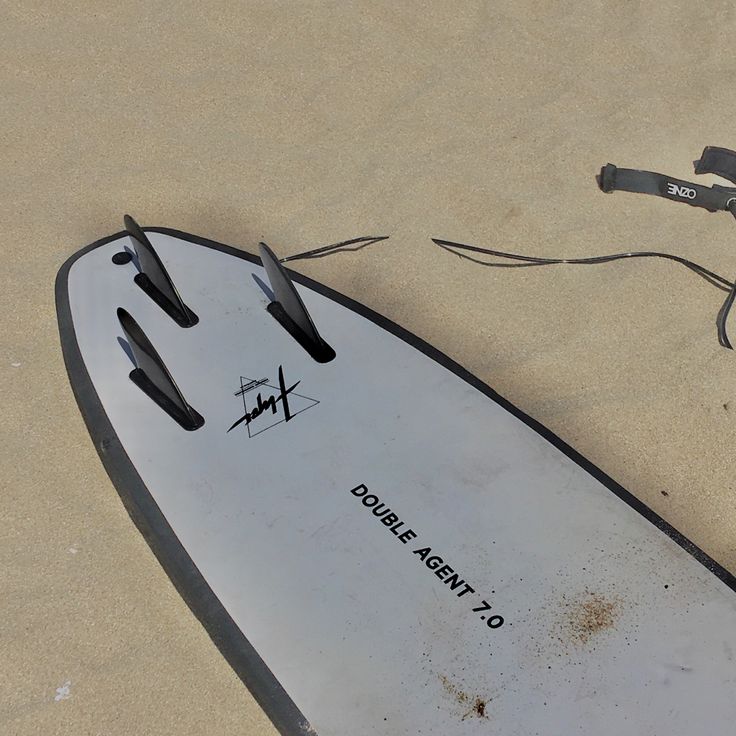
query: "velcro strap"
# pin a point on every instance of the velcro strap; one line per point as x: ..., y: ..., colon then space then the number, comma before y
x: 649, y: 182
x: 719, y: 161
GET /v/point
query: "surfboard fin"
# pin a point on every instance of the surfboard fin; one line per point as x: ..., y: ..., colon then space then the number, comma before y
x: 288, y: 308
x: 153, y: 378
x: 155, y: 280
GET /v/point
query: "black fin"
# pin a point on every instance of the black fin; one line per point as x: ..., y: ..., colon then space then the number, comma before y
x: 288, y: 308
x: 155, y: 280
x: 153, y: 378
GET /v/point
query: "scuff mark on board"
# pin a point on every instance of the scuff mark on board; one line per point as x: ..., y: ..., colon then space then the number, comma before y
x: 63, y: 692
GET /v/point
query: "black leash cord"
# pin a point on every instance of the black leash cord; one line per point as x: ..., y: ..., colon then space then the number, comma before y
x: 344, y: 246
x: 526, y: 261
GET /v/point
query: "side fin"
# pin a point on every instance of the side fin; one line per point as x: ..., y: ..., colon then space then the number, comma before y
x: 155, y: 280
x: 288, y: 308
x: 153, y: 378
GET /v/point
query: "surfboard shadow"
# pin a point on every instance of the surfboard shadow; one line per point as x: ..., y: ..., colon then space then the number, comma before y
x: 134, y: 257
x: 127, y: 350
x: 265, y: 288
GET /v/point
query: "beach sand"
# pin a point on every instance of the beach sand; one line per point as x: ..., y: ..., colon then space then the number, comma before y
x: 306, y: 123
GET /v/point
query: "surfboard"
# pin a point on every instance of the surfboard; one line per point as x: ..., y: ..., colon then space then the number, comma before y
x: 377, y: 541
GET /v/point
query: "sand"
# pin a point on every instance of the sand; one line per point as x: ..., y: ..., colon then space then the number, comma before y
x: 305, y: 123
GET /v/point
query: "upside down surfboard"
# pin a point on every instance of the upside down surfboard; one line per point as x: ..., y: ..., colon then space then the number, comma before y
x: 376, y: 541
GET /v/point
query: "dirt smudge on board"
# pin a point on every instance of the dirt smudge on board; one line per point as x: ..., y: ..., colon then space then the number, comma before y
x: 587, y: 616
x: 474, y: 706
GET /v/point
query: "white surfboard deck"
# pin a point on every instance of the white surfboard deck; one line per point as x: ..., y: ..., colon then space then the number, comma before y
x: 341, y: 621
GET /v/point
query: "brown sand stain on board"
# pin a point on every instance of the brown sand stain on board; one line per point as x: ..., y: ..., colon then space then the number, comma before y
x: 587, y: 616
x: 474, y: 706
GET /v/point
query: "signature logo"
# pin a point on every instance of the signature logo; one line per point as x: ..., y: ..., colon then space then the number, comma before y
x: 678, y: 191
x: 281, y: 405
